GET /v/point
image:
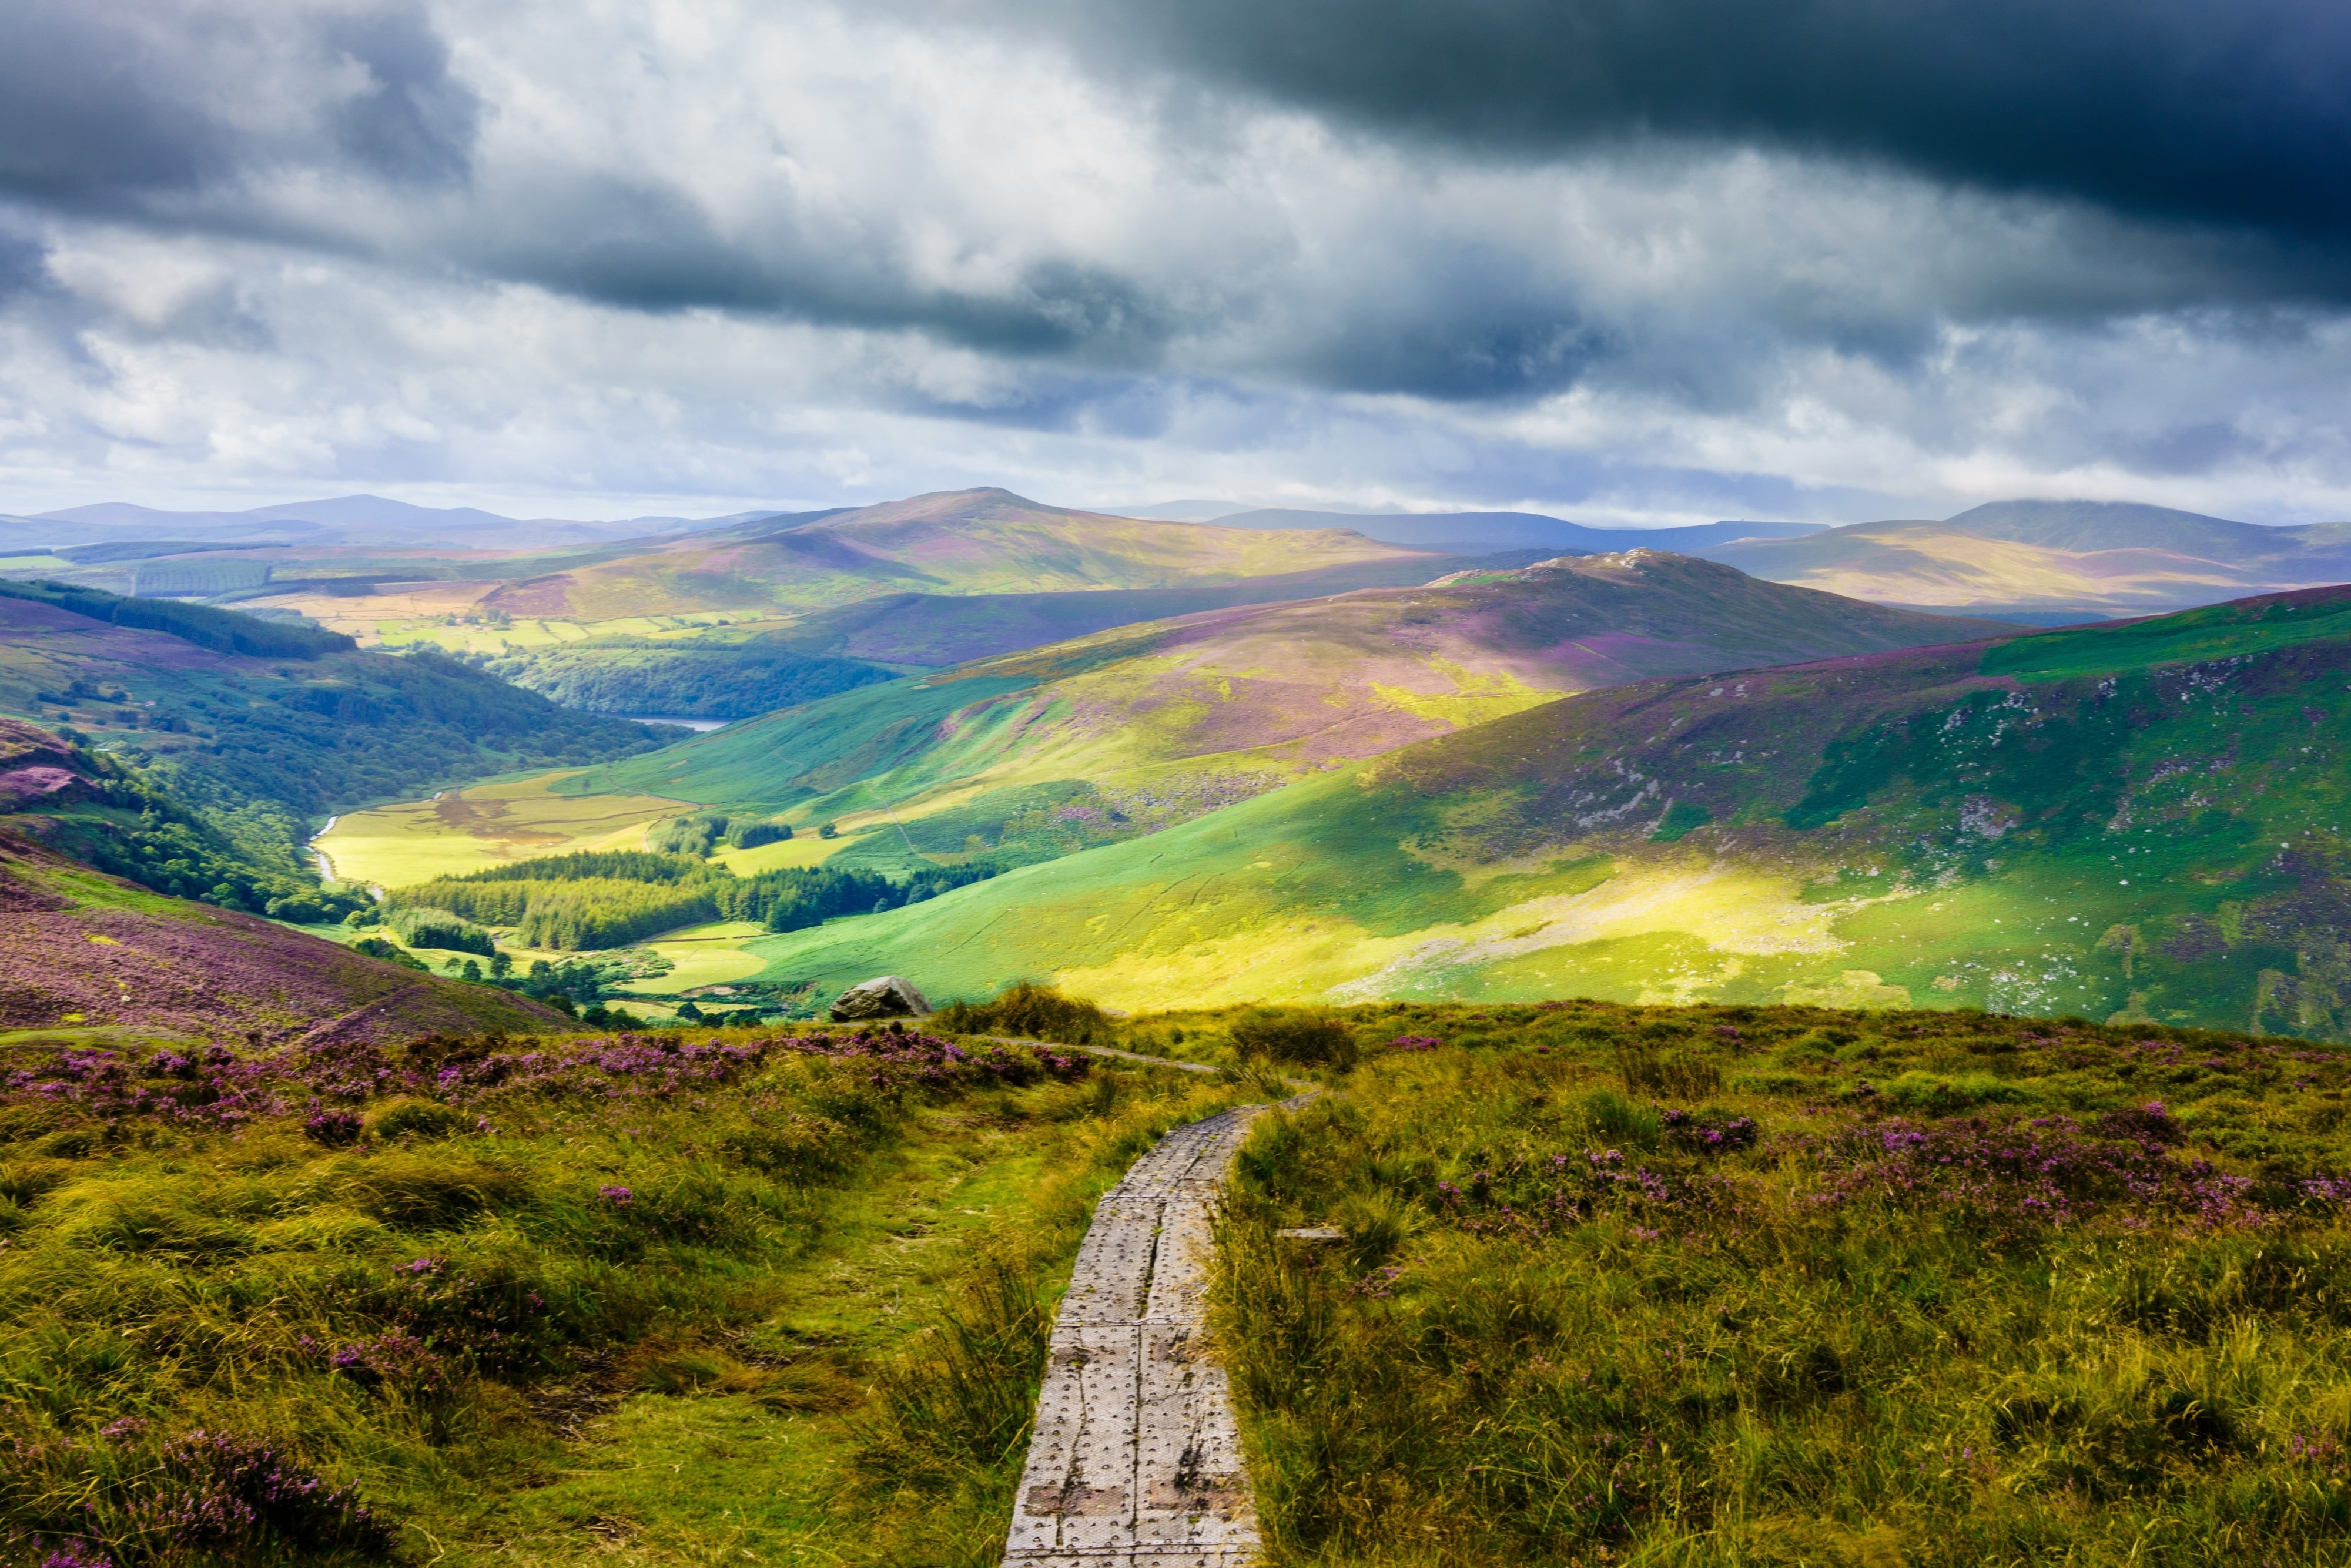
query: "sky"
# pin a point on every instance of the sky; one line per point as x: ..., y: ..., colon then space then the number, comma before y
x: 1626, y: 261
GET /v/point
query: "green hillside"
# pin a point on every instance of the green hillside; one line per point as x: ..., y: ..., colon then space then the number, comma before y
x: 2138, y: 822
x: 1144, y: 725
x: 256, y: 729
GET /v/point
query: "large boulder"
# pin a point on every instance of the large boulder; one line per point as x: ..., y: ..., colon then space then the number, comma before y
x: 887, y: 997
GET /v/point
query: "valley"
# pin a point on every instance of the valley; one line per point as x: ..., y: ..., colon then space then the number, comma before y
x: 1401, y: 790
x: 1018, y: 759
x: 1650, y: 914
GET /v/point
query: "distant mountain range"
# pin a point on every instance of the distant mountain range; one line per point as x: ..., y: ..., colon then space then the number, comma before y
x: 2044, y: 562
x: 334, y: 521
x: 1477, y: 532
x: 983, y: 541
x: 2037, y: 561
x: 2065, y: 559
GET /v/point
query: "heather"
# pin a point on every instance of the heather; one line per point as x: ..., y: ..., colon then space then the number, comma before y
x: 453, y: 1300
x: 1772, y: 1285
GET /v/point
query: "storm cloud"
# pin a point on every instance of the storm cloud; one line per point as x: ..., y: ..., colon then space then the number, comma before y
x: 1631, y: 258
x: 2174, y: 110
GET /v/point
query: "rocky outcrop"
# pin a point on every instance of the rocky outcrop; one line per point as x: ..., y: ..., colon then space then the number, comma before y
x: 891, y: 997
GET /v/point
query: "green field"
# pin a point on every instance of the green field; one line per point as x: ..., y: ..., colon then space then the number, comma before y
x: 462, y: 831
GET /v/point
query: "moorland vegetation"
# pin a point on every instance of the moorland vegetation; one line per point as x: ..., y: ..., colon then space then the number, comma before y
x: 467, y: 1299
x: 1752, y: 1284
x: 1774, y: 1285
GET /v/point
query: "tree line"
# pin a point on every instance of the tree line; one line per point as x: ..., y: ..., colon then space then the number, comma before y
x: 596, y: 899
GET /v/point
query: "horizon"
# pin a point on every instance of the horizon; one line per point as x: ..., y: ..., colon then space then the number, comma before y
x: 1241, y: 508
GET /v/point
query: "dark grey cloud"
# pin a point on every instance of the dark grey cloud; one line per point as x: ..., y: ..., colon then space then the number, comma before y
x: 641, y: 244
x: 2235, y: 113
x: 140, y: 108
x: 411, y: 121
x: 23, y: 261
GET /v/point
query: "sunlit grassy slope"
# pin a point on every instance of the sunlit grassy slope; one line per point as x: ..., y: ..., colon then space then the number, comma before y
x: 2137, y: 821
x: 1144, y: 725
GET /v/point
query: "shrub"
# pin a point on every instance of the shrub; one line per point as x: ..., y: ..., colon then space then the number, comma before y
x: 1943, y: 1093
x: 797, y: 1148
x: 695, y: 835
x: 439, y: 929
x: 1031, y: 1011
x: 1300, y: 1038
x: 425, y: 1192
x: 1619, y: 1120
x: 141, y: 1218
x: 415, y: 1118
x: 334, y: 1128
x: 1683, y: 1075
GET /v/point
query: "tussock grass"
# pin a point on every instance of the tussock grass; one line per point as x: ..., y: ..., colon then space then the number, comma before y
x: 766, y: 1294
x: 1592, y: 1309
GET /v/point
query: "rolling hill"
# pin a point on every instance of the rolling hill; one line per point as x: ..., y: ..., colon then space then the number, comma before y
x: 666, y: 665
x: 1128, y: 731
x: 2083, y: 560
x: 260, y: 728
x: 87, y: 958
x: 2140, y: 820
x: 961, y: 541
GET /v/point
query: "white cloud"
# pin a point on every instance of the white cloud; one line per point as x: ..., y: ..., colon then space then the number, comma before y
x: 716, y: 256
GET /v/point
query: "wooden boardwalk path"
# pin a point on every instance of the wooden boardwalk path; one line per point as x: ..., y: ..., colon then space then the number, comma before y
x: 1135, y: 1461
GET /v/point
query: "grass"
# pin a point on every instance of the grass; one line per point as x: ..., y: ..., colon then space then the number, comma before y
x: 758, y: 1299
x: 484, y: 825
x: 705, y: 955
x: 1767, y: 1286
x: 1696, y: 1286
